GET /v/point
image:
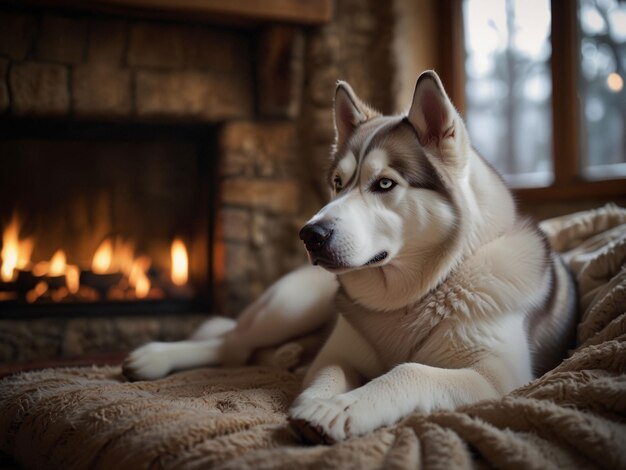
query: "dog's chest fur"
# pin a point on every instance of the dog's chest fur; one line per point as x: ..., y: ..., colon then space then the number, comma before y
x: 424, y: 332
x: 453, y: 325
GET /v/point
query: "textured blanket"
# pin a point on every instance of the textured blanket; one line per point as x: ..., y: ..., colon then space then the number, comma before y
x: 573, y: 416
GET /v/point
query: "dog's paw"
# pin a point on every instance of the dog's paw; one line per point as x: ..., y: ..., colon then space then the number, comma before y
x: 148, y: 362
x: 329, y: 420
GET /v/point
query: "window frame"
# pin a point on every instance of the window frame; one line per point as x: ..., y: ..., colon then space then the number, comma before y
x: 570, y: 183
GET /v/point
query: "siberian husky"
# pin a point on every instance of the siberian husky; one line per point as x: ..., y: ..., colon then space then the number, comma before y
x: 441, y: 294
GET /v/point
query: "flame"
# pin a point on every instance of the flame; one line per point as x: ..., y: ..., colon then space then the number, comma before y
x: 57, y: 266
x: 41, y: 268
x: 15, y: 253
x: 142, y: 287
x: 58, y: 262
x: 39, y: 290
x: 180, y: 263
x: 124, y: 256
x: 72, y: 278
x: 9, y: 258
x: 138, y: 278
x: 102, y: 258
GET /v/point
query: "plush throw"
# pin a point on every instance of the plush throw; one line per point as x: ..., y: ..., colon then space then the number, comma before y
x: 573, y: 416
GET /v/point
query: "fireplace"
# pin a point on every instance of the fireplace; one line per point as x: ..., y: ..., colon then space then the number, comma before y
x: 148, y: 174
x: 106, y: 217
x: 228, y: 141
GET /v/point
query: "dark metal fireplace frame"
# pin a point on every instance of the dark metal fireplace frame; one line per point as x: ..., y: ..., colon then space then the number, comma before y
x: 204, y: 137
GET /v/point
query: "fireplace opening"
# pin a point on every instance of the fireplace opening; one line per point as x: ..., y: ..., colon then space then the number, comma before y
x: 110, y: 218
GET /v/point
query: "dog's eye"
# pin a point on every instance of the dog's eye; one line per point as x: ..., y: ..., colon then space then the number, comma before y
x: 337, y: 182
x: 384, y: 184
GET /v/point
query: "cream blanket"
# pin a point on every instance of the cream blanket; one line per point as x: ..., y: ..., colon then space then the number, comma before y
x: 573, y: 416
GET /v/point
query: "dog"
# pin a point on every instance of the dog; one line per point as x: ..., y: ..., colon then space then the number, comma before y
x: 440, y: 293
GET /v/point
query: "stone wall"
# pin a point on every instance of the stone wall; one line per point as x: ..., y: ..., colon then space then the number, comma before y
x: 355, y: 47
x: 260, y: 212
x: 45, y: 338
x: 86, y: 66
x: 269, y: 91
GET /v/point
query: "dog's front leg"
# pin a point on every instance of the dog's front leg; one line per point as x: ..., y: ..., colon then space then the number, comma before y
x: 336, y: 370
x: 407, y: 388
x: 329, y: 380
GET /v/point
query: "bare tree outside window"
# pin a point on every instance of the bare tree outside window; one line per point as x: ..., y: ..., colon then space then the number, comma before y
x: 508, y: 87
x: 602, y: 26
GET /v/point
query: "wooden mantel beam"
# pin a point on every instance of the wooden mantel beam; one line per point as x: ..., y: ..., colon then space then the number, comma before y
x: 305, y: 12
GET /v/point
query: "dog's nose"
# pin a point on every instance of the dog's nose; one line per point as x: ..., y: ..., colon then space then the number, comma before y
x: 316, y: 235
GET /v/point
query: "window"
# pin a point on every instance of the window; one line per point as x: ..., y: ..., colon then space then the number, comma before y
x: 544, y: 94
x: 602, y: 73
x: 508, y: 86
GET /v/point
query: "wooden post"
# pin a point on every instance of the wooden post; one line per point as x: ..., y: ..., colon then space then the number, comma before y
x: 280, y: 71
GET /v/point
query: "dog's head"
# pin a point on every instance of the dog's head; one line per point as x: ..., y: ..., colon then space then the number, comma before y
x: 391, y: 180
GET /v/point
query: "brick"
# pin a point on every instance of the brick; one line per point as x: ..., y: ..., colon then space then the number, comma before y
x: 324, y: 46
x: 233, y: 297
x: 17, y: 33
x: 101, y: 90
x: 4, y: 91
x: 236, y: 224
x: 39, y: 89
x: 155, y: 45
x: 107, y: 40
x: 179, y: 327
x: 276, y: 149
x: 275, y: 246
x: 174, y: 46
x: 237, y: 259
x: 216, y: 49
x: 274, y: 195
x: 267, y: 149
x: 236, y: 164
x: 95, y: 335
x: 62, y: 39
x: 196, y: 95
x: 29, y: 340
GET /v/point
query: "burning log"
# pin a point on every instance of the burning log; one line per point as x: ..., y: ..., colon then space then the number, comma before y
x: 17, y: 289
x: 102, y: 283
x: 116, y: 274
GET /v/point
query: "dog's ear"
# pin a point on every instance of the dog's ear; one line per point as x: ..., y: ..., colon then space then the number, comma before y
x: 350, y: 112
x: 432, y: 114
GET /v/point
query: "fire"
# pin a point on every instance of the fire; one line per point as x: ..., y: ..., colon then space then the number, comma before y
x: 9, y: 258
x: 138, y: 278
x: 180, y: 263
x: 40, y: 289
x: 57, y: 266
x: 58, y: 263
x: 72, y: 278
x: 41, y: 268
x: 117, y: 273
x: 123, y: 256
x: 102, y: 258
x: 142, y: 287
x: 15, y: 252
